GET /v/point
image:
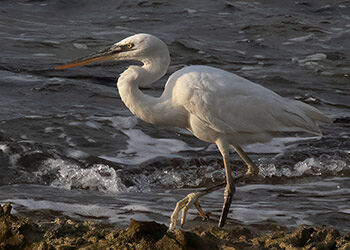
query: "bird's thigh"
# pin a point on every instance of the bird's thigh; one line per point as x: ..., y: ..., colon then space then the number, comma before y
x: 202, y: 130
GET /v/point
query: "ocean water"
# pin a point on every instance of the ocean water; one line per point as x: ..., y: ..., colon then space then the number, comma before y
x: 69, y: 146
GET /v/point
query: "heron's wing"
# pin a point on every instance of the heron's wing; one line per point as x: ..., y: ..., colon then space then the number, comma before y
x: 230, y: 104
x: 229, y: 112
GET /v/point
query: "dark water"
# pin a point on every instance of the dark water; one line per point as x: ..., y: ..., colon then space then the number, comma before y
x: 68, y: 145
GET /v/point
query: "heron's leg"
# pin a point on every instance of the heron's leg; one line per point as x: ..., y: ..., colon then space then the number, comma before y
x: 253, y: 170
x: 230, y: 186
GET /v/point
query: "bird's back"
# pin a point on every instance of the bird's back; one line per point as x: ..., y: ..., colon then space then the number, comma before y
x: 231, y: 105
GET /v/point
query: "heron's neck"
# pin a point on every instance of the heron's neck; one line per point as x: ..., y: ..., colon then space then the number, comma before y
x: 145, y: 107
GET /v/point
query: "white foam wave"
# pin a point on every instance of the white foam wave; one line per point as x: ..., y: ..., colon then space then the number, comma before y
x: 187, y: 175
x: 317, y: 167
x: 4, y: 148
x: 309, y: 166
x: 70, y: 176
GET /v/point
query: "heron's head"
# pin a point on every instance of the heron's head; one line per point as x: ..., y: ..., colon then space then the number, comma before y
x: 137, y: 47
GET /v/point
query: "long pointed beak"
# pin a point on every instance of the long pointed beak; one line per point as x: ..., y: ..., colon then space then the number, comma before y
x: 103, y: 55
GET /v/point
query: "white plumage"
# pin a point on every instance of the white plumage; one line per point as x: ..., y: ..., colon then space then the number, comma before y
x: 221, y: 103
x: 215, y: 105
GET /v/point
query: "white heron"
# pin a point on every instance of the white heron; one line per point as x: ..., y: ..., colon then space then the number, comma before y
x: 216, y: 106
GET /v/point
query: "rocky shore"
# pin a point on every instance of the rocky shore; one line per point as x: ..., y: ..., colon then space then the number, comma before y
x: 22, y: 233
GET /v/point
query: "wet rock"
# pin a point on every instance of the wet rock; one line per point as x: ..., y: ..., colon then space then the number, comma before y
x: 301, y: 236
x: 305, y: 237
x: 10, y: 233
x: 313, y: 238
x: 33, y: 160
x: 21, y: 233
x: 150, y: 230
x: 235, y: 237
x: 7, y: 209
x: 4, y: 137
x: 343, y: 243
x: 183, y: 240
x: 61, y: 227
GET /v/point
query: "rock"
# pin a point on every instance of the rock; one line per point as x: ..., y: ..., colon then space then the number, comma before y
x: 60, y: 228
x: 301, y: 236
x: 305, y: 237
x: 183, y: 240
x: 10, y: 235
x: 32, y: 161
x: 168, y: 242
x: 188, y: 240
x: 4, y: 230
x: 142, y: 229
x: 21, y: 233
x: 7, y: 208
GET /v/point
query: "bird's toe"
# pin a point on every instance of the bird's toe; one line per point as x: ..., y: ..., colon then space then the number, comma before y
x: 201, y: 212
x: 184, y: 205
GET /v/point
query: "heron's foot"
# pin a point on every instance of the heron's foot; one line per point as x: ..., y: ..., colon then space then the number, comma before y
x: 184, y: 205
x: 252, y: 171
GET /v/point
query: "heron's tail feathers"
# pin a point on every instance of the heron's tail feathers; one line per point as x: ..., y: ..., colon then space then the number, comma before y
x: 313, y: 117
x: 314, y: 113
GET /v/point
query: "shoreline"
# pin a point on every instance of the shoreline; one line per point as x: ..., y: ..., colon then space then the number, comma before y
x: 17, y: 232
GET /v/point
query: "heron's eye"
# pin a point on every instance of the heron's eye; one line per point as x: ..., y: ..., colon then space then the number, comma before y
x: 129, y: 45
